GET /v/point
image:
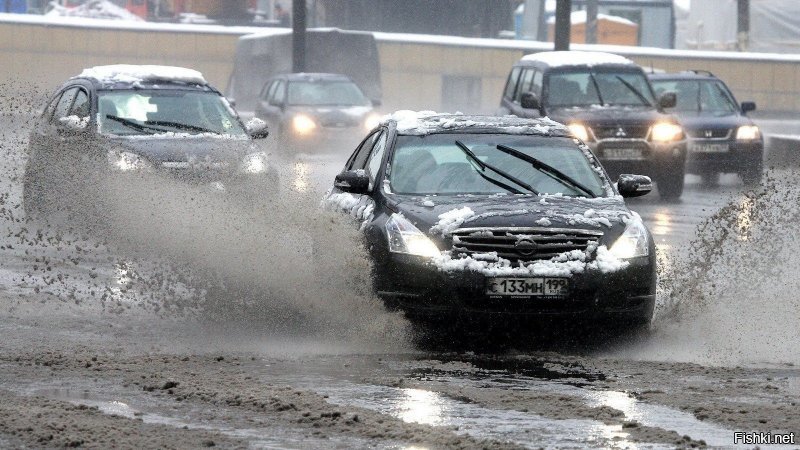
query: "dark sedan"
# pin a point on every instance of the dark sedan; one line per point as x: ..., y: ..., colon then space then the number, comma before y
x: 112, y: 121
x: 471, y: 216
x: 722, y: 139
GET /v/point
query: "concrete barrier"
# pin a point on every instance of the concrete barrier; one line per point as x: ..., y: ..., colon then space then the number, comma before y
x: 782, y: 151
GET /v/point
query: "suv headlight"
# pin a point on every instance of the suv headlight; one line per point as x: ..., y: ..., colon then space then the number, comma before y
x: 666, y: 132
x: 404, y: 237
x: 579, y: 131
x: 255, y: 163
x: 303, y: 124
x: 633, y: 242
x: 748, y: 133
x: 127, y: 161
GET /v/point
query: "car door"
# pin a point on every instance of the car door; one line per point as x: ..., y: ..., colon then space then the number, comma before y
x: 274, y: 106
x: 263, y: 99
x: 530, y: 80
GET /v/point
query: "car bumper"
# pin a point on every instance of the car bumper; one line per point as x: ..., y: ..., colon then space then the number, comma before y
x: 324, y: 140
x: 740, y: 156
x: 420, y: 289
x: 652, y: 157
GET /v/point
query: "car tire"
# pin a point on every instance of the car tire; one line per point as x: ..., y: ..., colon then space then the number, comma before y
x: 670, y: 186
x: 751, y: 176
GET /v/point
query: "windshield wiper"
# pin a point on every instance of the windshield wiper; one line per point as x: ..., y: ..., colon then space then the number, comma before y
x: 596, y: 88
x: 131, y: 124
x: 634, y: 90
x: 502, y: 173
x: 547, y: 169
x: 180, y: 126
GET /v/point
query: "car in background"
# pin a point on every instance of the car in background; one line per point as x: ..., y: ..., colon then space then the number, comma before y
x: 722, y: 139
x: 470, y: 217
x: 608, y: 103
x: 315, y: 112
x: 123, y: 120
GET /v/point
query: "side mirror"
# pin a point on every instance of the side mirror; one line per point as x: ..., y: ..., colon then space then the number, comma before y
x: 376, y: 102
x: 353, y: 181
x: 748, y: 106
x: 257, y: 128
x: 667, y: 100
x: 634, y: 185
x: 74, y: 123
x: 529, y: 100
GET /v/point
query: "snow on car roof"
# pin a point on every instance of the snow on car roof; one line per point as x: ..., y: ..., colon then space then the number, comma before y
x: 427, y: 122
x: 576, y: 58
x: 129, y: 73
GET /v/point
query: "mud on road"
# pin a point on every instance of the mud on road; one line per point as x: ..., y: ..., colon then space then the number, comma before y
x: 106, y: 344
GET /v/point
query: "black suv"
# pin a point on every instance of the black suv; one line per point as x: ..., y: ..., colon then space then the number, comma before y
x: 312, y: 112
x: 722, y: 139
x: 125, y: 120
x: 607, y: 102
x: 497, y: 217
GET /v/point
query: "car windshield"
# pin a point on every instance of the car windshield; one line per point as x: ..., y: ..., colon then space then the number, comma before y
x: 606, y: 88
x: 326, y: 93
x: 698, y: 96
x: 438, y: 164
x: 141, y: 112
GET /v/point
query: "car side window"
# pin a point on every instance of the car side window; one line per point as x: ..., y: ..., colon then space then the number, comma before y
x: 362, y: 152
x: 80, y: 107
x: 276, y: 97
x: 47, y: 114
x: 65, y: 103
x: 375, y: 158
x: 511, y: 84
x: 268, y: 90
x: 524, y: 83
x: 536, y: 84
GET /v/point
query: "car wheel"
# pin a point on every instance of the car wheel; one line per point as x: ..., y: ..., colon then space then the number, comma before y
x: 751, y: 176
x: 670, y: 187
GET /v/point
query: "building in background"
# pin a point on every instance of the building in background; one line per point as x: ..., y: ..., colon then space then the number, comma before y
x: 611, y: 30
x: 654, y: 19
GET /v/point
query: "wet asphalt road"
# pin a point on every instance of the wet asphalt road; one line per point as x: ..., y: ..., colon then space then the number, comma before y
x: 84, y: 369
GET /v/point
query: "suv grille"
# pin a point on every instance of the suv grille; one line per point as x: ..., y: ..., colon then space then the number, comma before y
x: 709, y: 134
x: 525, y: 244
x: 624, y: 132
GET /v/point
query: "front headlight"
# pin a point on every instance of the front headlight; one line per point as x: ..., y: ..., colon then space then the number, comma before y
x: 302, y: 124
x: 371, y: 121
x: 404, y: 237
x: 255, y: 163
x: 666, y: 132
x: 633, y: 242
x: 579, y: 131
x: 127, y: 161
x: 748, y: 133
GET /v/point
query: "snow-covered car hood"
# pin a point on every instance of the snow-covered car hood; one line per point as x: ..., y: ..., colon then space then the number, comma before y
x: 179, y: 148
x: 440, y: 215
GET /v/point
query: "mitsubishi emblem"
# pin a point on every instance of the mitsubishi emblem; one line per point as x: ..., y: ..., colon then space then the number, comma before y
x: 620, y: 133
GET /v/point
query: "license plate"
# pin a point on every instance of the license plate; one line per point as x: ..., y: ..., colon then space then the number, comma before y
x: 527, y: 287
x: 708, y: 148
x: 622, y: 153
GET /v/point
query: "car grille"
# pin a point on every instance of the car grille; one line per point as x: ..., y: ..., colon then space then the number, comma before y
x: 723, y: 133
x: 624, y: 132
x: 522, y: 244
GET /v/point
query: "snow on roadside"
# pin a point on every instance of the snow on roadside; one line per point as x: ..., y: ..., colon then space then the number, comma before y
x: 94, y: 9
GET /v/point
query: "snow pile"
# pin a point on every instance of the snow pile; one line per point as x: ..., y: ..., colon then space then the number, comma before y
x: 130, y: 73
x: 592, y: 218
x: 94, y: 9
x: 577, y: 58
x: 451, y: 220
x: 563, y: 265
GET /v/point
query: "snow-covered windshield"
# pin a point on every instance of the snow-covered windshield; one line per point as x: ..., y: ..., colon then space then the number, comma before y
x: 436, y: 165
x: 326, y: 93
x: 698, y: 96
x: 594, y: 87
x: 142, y: 112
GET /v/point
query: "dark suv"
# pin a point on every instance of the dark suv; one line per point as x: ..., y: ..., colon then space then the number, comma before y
x: 721, y: 136
x: 606, y: 101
